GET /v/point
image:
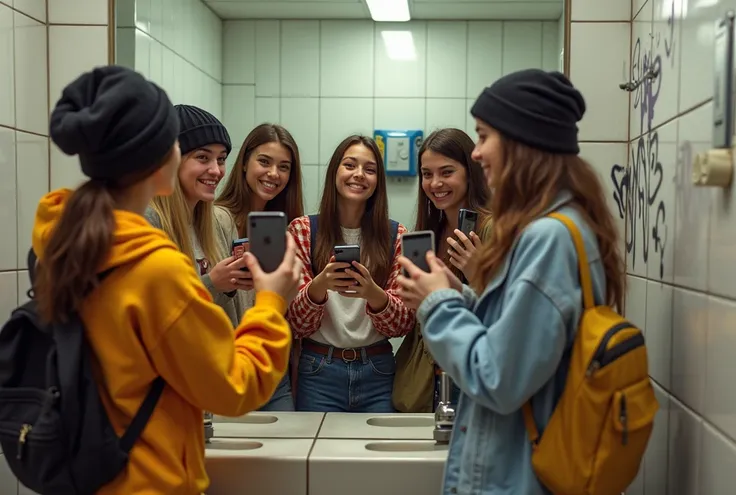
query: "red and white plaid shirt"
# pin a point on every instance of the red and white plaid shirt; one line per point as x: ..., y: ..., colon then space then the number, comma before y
x: 305, y: 316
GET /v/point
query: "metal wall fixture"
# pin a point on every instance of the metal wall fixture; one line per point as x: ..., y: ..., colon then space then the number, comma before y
x: 632, y: 85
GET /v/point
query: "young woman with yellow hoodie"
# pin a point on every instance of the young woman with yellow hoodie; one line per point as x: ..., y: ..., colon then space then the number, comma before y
x: 151, y: 316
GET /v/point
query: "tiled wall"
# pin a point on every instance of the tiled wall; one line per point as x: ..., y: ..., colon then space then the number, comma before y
x: 177, y: 45
x: 679, y: 239
x: 323, y: 80
x: 41, y: 50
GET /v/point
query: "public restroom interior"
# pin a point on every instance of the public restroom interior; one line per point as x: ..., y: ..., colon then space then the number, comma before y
x: 324, y: 69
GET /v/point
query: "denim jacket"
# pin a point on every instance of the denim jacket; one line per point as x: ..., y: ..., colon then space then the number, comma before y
x: 507, y: 346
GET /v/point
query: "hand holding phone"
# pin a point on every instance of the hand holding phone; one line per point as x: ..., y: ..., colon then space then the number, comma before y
x: 416, y: 245
x: 239, y: 248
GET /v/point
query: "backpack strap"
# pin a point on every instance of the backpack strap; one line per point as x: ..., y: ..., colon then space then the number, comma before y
x: 313, y: 226
x: 141, y: 417
x: 588, y: 303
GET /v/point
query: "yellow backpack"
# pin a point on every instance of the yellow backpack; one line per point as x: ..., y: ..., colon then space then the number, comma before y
x: 598, y: 433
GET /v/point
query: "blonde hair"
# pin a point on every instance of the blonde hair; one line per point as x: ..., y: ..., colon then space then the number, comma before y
x: 176, y: 219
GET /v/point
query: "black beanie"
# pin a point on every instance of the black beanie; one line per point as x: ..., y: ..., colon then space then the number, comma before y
x: 537, y: 108
x: 200, y: 128
x: 116, y: 121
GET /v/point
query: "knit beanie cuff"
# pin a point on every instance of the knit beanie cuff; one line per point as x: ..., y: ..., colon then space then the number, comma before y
x: 202, y: 135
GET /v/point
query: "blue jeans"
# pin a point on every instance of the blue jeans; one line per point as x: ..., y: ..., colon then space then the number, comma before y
x: 346, y: 381
x: 281, y: 400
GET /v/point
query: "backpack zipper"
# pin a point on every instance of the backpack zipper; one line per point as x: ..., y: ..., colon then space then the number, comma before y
x: 24, y: 431
x: 604, y: 357
x: 624, y: 421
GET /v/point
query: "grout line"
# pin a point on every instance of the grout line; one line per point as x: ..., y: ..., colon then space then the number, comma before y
x: 319, y: 105
x: 25, y: 14
x: 48, y: 97
x: 71, y: 24
x: 693, y: 290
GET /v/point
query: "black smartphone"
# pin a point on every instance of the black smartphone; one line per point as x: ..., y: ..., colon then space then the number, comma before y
x: 466, y: 221
x: 414, y: 245
x: 267, y: 238
x: 347, y: 254
x: 239, y: 248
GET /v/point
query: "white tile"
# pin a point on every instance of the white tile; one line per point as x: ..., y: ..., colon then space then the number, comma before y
x: 485, y: 55
x: 655, y: 458
x: 656, y: 178
x: 168, y: 73
x: 142, y: 15
x: 685, y: 442
x: 346, y: 58
x: 720, y: 373
x: 7, y: 80
x: 24, y: 284
x: 239, y: 111
x: 33, y: 8
x: 445, y: 112
x: 299, y: 58
x: 78, y: 12
x: 32, y: 169
x: 636, y: 301
x: 64, y: 170
x: 268, y: 110
x: 400, y: 113
x: 7, y: 479
x: 312, y: 180
x: 600, y: 10
x: 522, y: 46
x: 721, y: 242
x: 636, y: 6
x: 401, y: 78
x: 689, y: 330
x: 641, y: 99
x: 470, y: 122
x: 156, y: 62
x: 606, y: 114
x: 268, y: 58
x: 73, y: 50
x: 693, y: 203
x: 170, y: 12
x: 157, y: 19
x: 8, y: 209
x: 551, y: 46
x: 402, y: 200
x: 142, y: 53
x: 447, y: 44
x: 239, y: 52
x: 717, y: 463
x: 31, y: 90
x: 301, y: 117
x: 659, y: 331
x: 696, y: 46
x: 339, y: 118
x: 8, y: 302
x: 125, y: 46
x: 125, y: 14
x: 666, y: 46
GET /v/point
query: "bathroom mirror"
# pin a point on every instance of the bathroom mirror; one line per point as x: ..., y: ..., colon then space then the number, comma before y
x: 325, y: 69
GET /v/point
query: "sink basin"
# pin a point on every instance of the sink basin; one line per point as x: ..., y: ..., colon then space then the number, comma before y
x: 384, y: 426
x: 278, y: 466
x: 401, y: 421
x: 269, y: 425
x: 375, y: 466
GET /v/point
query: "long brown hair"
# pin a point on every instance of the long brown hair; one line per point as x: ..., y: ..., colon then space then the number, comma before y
x: 457, y: 146
x: 79, y: 245
x: 376, y: 252
x: 235, y: 196
x: 525, y: 186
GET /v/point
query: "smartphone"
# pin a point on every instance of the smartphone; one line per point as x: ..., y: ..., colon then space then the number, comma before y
x: 239, y: 248
x: 347, y: 254
x: 267, y: 238
x: 414, y: 245
x: 466, y: 221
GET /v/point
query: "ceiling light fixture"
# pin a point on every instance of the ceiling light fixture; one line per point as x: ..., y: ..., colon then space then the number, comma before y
x: 389, y: 10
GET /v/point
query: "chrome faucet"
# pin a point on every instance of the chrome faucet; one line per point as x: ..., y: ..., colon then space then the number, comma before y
x: 209, y: 429
x: 444, y: 415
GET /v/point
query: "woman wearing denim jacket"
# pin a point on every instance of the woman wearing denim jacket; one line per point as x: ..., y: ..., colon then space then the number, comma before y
x: 506, y: 339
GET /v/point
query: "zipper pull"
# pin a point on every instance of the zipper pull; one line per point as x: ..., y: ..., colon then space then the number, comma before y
x: 24, y: 430
x: 624, y: 421
x: 594, y: 366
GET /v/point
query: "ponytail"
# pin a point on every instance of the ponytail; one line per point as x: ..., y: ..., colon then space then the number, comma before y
x: 78, y: 247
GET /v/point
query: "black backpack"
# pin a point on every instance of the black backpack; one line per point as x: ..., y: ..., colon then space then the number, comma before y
x: 54, y: 430
x: 314, y: 225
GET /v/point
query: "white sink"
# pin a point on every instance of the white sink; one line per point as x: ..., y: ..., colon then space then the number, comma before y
x: 368, y: 467
x: 267, y: 466
x: 269, y: 425
x: 409, y: 426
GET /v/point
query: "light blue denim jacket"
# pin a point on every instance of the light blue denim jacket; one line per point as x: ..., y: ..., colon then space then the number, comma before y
x: 506, y: 346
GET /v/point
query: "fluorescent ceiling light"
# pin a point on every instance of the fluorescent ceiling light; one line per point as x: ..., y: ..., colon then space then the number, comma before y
x: 399, y: 45
x: 389, y: 10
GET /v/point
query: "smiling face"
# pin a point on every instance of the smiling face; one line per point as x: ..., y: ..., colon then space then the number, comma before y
x: 444, y: 180
x: 357, y: 174
x: 488, y: 151
x: 200, y: 172
x: 267, y: 170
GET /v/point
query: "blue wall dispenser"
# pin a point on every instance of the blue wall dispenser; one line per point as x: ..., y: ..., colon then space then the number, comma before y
x: 400, y: 150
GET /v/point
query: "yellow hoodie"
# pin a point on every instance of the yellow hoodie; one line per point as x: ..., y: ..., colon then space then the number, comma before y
x: 153, y: 317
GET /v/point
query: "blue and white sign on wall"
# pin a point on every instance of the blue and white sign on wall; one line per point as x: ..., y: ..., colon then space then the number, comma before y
x: 400, y: 150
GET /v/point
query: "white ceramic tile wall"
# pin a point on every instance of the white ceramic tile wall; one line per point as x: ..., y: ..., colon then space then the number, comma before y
x: 679, y: 239
x: 177, y: 45
x: 326, y: 79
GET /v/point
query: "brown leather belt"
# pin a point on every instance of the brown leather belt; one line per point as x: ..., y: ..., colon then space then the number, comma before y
x: 347, y: 355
